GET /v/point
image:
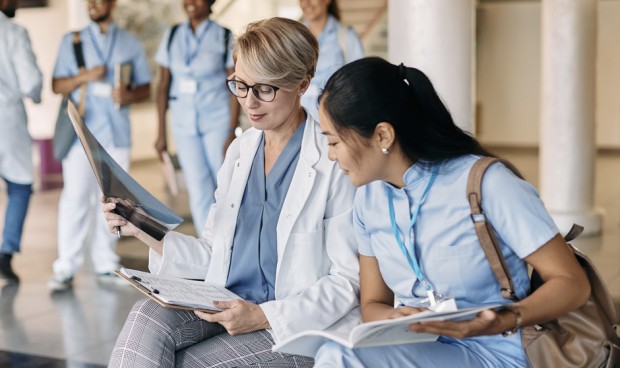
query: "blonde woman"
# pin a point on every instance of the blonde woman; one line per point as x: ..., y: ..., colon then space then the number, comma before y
x: 280, y: 234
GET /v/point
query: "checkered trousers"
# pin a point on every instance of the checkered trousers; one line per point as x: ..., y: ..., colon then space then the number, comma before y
x: 155, y: 336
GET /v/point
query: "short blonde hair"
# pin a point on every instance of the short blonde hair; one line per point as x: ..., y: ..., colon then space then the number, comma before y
x: 279, y: 51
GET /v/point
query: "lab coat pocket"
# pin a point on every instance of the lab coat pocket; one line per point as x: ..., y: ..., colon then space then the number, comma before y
x: 305, y: 258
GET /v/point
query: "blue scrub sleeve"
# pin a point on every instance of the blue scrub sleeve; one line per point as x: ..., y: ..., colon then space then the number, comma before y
x: 161, y: 56
x: 516, y: 212
x: 66, y: 65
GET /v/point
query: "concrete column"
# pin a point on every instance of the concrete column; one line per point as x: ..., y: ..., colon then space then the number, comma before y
x: 78, y: 14
x: 567, y: 145
x: 437, y: 37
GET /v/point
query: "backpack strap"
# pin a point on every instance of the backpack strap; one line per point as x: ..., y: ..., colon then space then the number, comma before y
x: 173, y: 30
x: 227, y: 35
x: 79, y: 58
x: 485, y: 233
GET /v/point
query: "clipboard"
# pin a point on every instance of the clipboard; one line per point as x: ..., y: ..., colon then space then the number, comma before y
x: 133, y: 202
x: 177, y: 293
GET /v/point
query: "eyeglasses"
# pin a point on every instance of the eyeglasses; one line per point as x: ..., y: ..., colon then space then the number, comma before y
x: 263, y: 92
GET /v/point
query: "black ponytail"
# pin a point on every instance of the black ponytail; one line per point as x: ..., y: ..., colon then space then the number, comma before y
x: 368, y: 91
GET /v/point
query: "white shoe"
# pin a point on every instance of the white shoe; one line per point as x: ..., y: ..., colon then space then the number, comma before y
x: 60, y: 283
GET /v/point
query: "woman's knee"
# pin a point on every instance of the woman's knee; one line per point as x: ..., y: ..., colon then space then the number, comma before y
x: 147, y: 311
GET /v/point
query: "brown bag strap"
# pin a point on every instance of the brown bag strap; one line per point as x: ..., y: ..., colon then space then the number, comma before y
x: 79, y: 56
x: 485, y: 233
x: 486, y: 236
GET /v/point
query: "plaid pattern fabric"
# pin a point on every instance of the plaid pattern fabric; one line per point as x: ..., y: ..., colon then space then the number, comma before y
x: 155, y: 336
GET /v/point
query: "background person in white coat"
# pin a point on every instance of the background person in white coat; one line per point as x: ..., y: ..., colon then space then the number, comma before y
x: 20, y: 77
x: 279, y: 235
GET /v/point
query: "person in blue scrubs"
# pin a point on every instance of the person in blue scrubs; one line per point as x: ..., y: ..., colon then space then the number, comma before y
x: 279, y: 236
x: 194, y: 60
x: 104, y: 46
x: 338, y: 45
x: 396, y: 141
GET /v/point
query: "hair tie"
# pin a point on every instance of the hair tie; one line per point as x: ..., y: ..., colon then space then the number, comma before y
x: 402, y: 71
x: 402, y: 74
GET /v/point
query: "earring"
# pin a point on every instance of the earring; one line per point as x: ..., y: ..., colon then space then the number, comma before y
x: 385, y: 151
x: 301, y: 93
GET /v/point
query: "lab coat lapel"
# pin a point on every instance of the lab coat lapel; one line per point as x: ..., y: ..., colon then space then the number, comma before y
x: 231, y: 203
x: 300, y: 187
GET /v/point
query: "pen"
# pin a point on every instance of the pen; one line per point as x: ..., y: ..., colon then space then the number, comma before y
x: 145, y: 284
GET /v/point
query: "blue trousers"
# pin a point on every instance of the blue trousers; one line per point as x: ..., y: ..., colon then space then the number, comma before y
x: 16, y: 209
x: 200, y: 157
x: 422, y: 355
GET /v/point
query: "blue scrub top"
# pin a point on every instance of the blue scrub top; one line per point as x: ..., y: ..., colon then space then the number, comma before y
x: 331, y: 58
x: 107, y: 123
x: 255, y: 235
x: 199, y: 57
x: 445, y: 243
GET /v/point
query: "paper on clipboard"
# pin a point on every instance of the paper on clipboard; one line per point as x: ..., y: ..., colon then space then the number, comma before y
x: 169, y: 173
x: 174, y: 292
x: 134, y: 203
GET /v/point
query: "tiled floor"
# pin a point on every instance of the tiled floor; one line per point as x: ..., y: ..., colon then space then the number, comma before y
x: 82, y: 325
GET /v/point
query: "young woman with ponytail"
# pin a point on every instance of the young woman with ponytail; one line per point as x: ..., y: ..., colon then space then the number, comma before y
x: 396, y: 141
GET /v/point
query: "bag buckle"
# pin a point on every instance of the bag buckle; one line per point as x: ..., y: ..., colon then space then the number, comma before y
x: 478, y: 217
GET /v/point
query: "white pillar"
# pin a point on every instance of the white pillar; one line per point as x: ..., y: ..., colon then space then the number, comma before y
x: 437, y: 37
x: 78, y: 14
x: 567, y: 146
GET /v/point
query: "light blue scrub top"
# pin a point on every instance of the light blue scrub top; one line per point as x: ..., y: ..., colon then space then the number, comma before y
x: 255, y: 234
x: 107, y: 123
x: 331, y: 58
x: 197, y: 56
x: 445, y: 242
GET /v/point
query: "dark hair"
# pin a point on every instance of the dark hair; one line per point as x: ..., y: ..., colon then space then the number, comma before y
x: 368, y: 91
x: 333, y: 10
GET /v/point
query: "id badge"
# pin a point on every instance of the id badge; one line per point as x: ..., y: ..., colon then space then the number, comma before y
x: 101, y: 89
x: 188, y: 86
x: 437, y: 303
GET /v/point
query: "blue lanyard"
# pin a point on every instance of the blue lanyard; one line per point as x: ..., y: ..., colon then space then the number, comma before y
x: 104, y: 59
x: 191, y: 55
x: 411, y: 258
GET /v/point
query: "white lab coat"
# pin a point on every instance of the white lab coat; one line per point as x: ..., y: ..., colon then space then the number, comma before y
x: 20, y: 77
x: 317, y: 275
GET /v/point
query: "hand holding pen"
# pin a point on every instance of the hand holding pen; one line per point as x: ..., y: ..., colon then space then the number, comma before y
x: 116, y: 222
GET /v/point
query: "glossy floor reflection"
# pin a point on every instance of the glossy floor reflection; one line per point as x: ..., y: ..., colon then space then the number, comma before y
x: 78, y: 328
x: 75, y: 328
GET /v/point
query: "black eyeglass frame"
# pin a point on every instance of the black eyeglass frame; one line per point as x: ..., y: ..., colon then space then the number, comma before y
x: 256, y: 92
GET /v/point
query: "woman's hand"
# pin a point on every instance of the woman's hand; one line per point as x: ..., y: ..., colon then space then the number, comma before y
x: 237, y: 317
x: 487, y: 322
x: 115, y: 221
x: 404, y: 312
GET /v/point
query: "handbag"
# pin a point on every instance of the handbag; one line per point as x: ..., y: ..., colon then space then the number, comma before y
x: 64, y: 134
x: 585, y: 337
